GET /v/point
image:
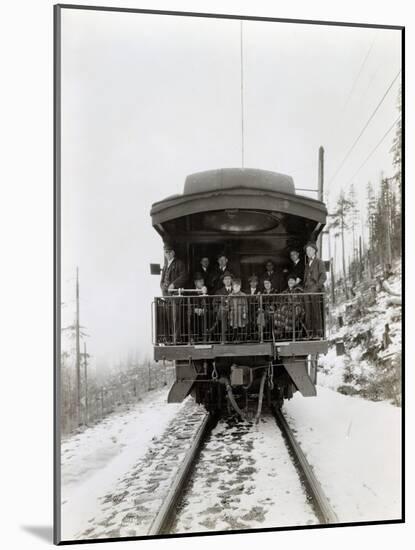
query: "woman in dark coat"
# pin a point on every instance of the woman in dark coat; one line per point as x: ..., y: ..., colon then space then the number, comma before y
x: 314, y: 279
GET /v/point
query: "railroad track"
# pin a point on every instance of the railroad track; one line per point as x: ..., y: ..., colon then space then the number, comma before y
x: 166, y: 516
x: 322, y: 505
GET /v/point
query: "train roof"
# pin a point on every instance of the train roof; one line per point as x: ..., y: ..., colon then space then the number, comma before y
x: 238, y: 188
x: 231, y: 178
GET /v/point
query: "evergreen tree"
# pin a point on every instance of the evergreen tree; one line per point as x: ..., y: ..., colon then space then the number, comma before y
x: 353, y: 221
x: 396, y: 149
x: 396, y: 198
x: 371, y: 219
x: 341, y: 221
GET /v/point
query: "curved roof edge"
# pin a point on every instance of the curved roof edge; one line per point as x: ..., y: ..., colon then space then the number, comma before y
x: 242, y: 198
x: 229, y: 178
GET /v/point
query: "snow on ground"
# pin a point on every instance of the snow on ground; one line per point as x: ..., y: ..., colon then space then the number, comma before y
x: 93, y: 461
x: 128, y: 506
x: 244, y: 479
x: 116, y: 473
x: 354, y: 446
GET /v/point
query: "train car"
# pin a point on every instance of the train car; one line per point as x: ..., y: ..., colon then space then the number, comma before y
x: 267, y: 351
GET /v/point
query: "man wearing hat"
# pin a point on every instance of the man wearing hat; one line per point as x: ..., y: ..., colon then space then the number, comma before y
x: 218, y: 275
x: 206, y: 271
x: 173, y: 274
x: 297, y: 266
x: 293, y: 310
x: 314, y: 279
x: 226, y: 288
x: 253, y: 288
x: 253, y: 305
x: 221, y: 305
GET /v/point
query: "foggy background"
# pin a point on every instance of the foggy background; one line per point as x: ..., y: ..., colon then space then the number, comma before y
x: 148, y: 99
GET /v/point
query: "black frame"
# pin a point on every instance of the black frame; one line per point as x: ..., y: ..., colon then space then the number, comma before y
x: 57, y: 9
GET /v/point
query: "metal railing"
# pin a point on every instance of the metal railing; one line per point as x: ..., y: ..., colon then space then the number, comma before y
x: 202, y: 319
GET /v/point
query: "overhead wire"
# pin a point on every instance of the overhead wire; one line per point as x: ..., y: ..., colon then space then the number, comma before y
x: 374, y: 149
x: 362, y: 131
x: 356, y: 78
x: 358, y: 74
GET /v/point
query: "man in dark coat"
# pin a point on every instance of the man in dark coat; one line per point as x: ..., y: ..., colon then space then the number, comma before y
x: 253, y: 306
x: 297, y: 266
x: 173, y: 275
x: 266, y: 316
x: 274, y: 276
x: 226, y: 288
x: 314, y: 279
x: 221, y: 307
x: 219, y: 272
x: 206, y: 270
x: 238, y: 311
x: 293, y: 308
x: 253, y: 288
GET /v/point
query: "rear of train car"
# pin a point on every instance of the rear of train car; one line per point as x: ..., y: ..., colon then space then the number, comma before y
x: 250, y: 216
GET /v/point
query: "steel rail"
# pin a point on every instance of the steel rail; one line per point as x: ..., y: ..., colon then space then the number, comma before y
x: 166, y: 513
x: 325, y: 511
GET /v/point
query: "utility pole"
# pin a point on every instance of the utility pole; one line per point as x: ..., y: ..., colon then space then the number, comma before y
x: 86, y: 383
x: 78, y: 355
x: 320, y: 188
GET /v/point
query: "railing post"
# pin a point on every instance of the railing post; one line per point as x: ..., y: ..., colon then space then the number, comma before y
x: 205, y: 325
x: 293, y: 314
x: 223, y: 328
x: 189, y: 326
x: 154, y: 339
x: 261, y: 317
x: 174, y: 310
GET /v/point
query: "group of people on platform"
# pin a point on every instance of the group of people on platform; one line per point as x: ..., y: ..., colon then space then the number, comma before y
x: 286, y: 308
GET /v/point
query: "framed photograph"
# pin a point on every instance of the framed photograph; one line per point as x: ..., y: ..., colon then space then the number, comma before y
x: 228, y: 288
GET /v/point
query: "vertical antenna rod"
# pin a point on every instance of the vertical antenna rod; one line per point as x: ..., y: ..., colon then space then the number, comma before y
x: 242, y: 96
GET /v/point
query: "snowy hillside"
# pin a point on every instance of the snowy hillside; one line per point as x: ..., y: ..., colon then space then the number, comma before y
x: 371, y: 333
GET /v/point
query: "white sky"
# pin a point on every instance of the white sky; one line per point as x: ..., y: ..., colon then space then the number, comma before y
x: 148, y: 99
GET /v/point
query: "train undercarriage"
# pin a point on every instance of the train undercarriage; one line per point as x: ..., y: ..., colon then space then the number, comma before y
x: 243, y: 384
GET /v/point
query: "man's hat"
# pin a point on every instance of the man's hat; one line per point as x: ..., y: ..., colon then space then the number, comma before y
x: 167, y: 246
x: 312, y: 244
x: 227, y: 274
x: 292, y: 276
x: 295, y: 249
x: 198, y: 276
x: 222, y: 254
x: 253, y: 278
